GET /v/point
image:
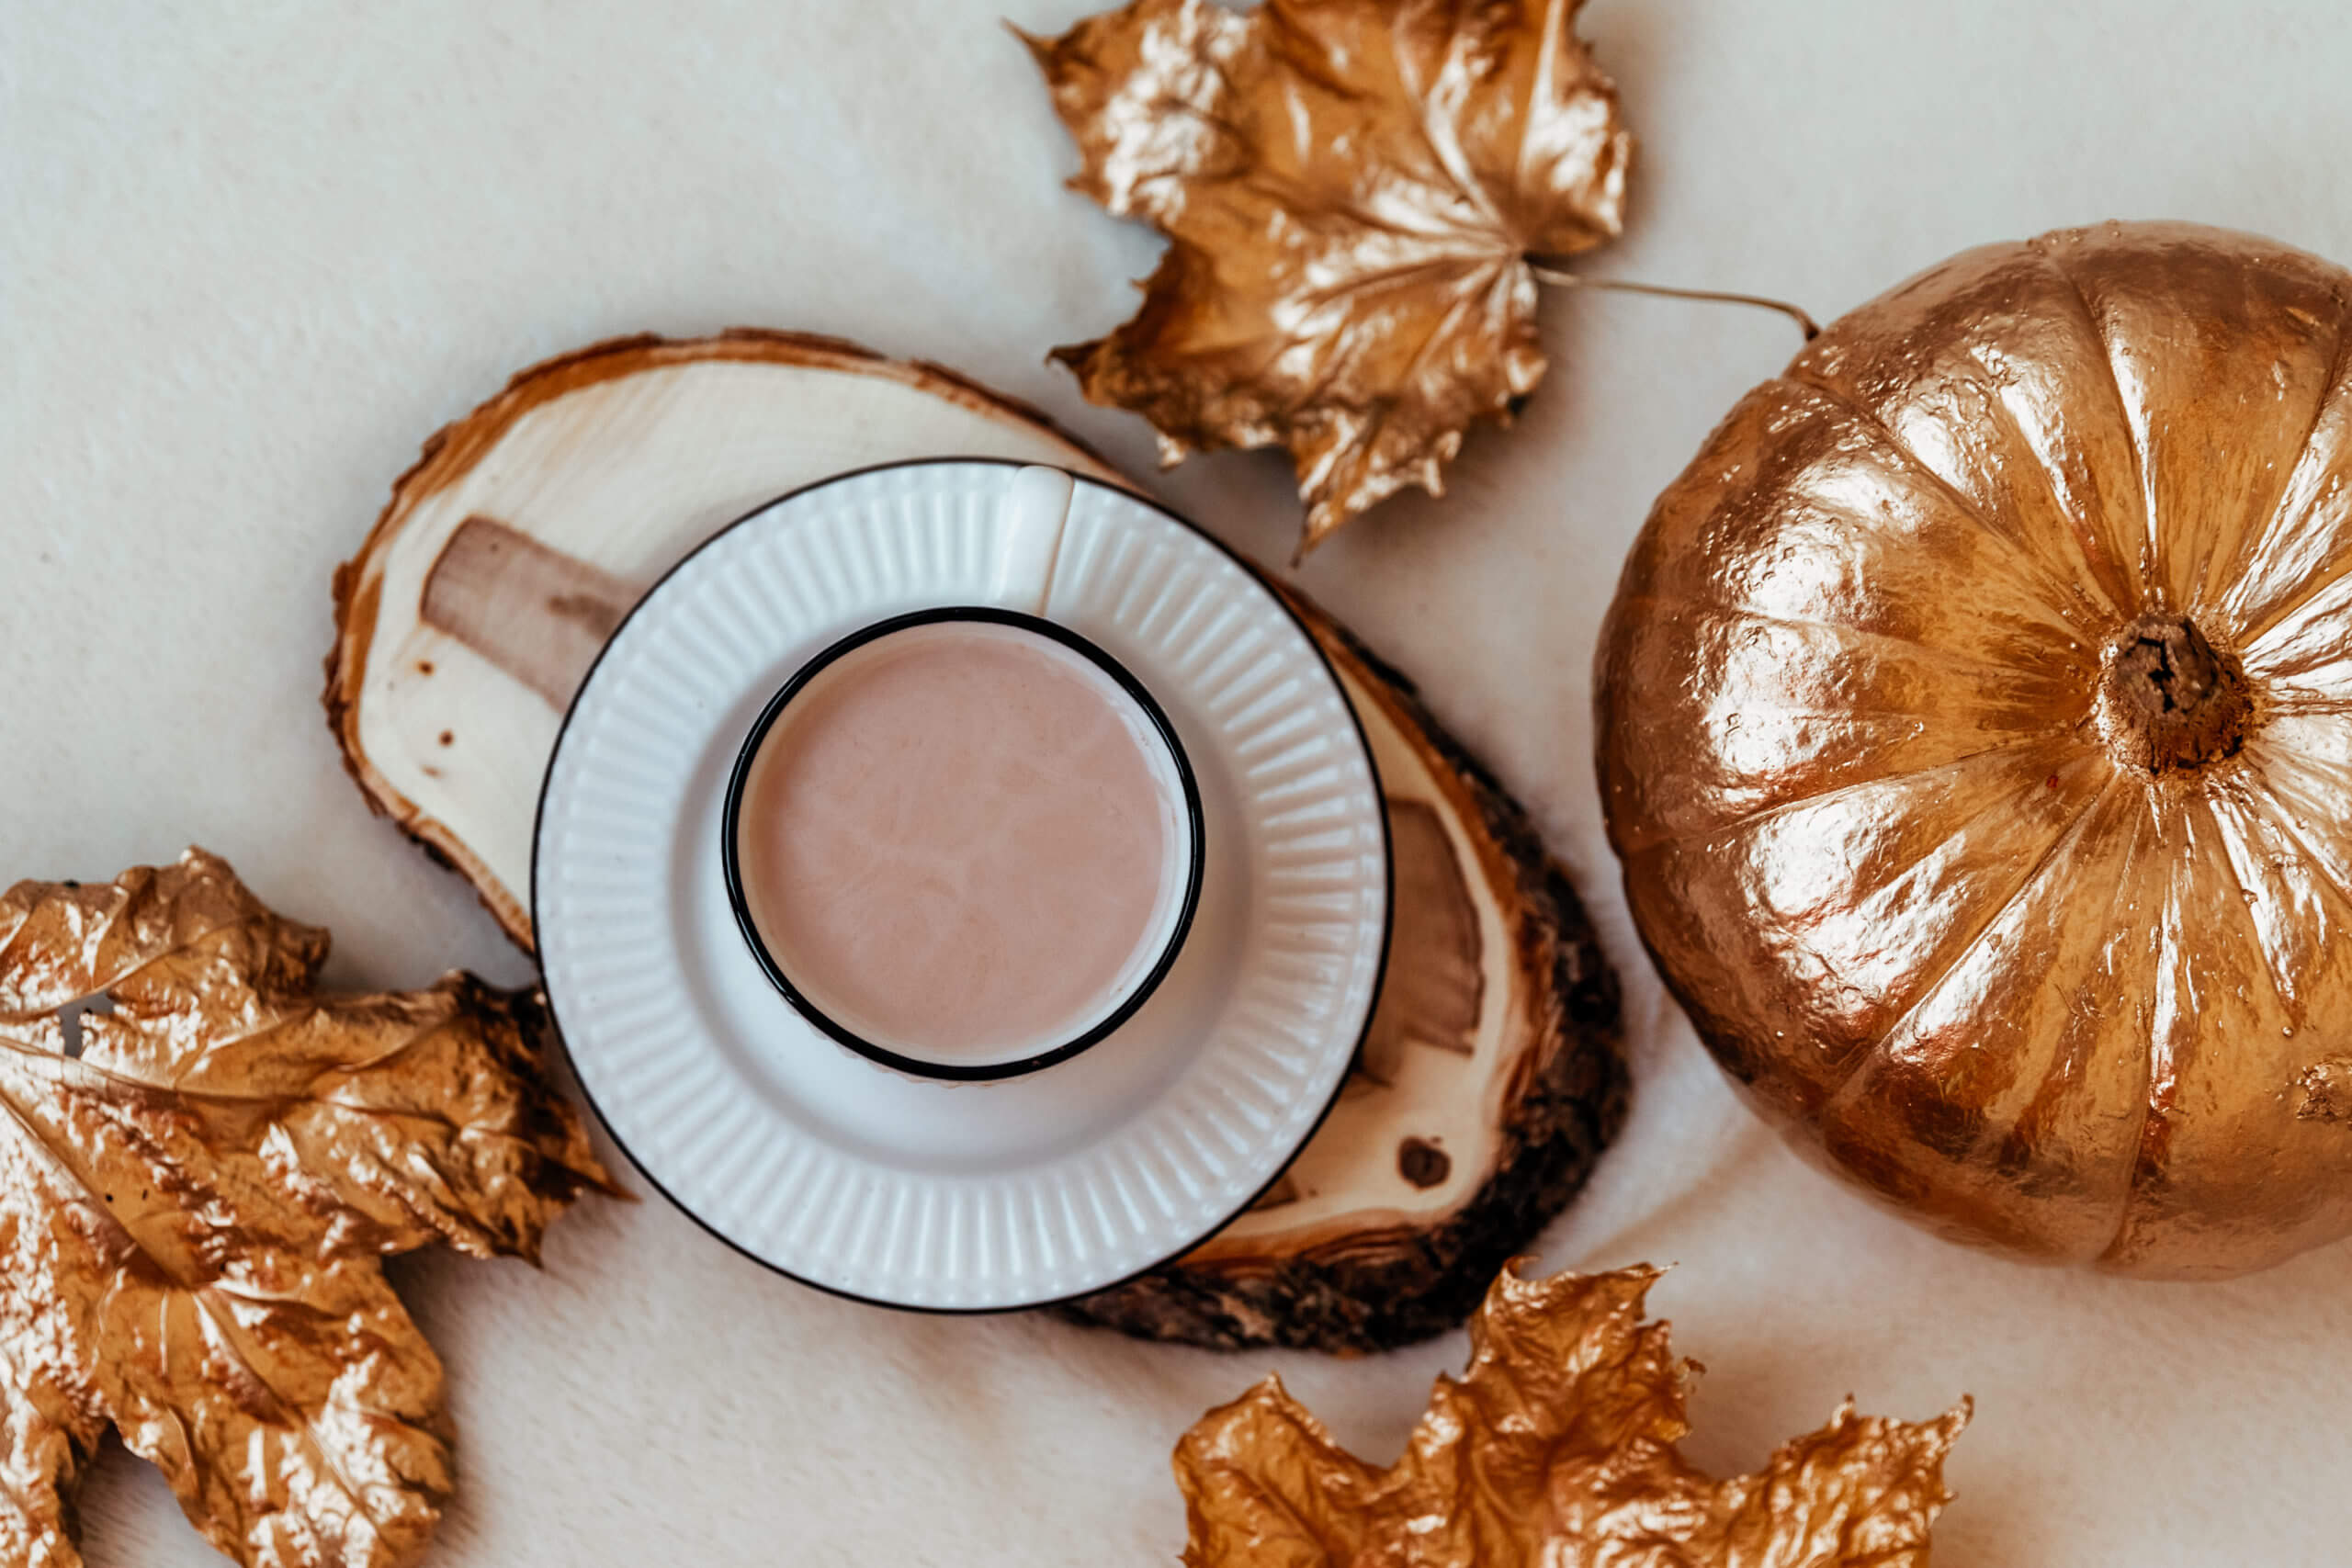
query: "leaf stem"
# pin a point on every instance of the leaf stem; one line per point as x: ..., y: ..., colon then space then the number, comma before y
x: 1548, y: 270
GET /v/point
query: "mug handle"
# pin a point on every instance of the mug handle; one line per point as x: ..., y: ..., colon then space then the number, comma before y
x: 1031, y: 513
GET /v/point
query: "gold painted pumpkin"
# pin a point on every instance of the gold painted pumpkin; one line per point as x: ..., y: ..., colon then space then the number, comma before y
x: 1975, y: 730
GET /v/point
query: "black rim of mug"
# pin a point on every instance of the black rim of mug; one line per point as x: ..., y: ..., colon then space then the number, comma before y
x: 925, y: 1068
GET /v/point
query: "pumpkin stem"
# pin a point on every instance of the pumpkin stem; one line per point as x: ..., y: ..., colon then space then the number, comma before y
x: 2167, y: 698
x: 1547, y: 269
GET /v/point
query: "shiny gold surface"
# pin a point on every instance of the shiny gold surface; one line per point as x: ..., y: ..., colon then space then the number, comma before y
x: 201, y: 1162
x: 1557, y: 1447
x: 1351, y: 189
x: 1904, y: 816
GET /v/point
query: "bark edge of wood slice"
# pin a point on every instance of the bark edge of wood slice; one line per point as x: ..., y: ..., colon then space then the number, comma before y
x: 1493, y: 1072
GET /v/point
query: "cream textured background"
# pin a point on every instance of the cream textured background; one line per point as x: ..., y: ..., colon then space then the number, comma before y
x: 251, y: 255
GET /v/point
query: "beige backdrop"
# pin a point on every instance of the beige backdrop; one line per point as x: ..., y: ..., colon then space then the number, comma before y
x: 251, y: 255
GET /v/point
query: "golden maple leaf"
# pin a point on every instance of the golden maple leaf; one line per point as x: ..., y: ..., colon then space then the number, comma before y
x: 1350, y: 191
x: 200, y: 1165
x: 1556, y: 1447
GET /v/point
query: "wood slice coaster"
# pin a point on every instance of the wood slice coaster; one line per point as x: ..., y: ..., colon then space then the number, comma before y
x: 1492, y: 1075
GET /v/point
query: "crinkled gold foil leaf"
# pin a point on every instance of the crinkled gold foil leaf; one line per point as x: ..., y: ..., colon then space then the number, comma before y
x: 201, y: 1164
x: 1350, y: 189
x: 1556, y: 1447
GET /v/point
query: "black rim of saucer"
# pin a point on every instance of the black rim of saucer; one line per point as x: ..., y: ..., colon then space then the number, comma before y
x: 1338, y: 1086
x: 924, y: 1067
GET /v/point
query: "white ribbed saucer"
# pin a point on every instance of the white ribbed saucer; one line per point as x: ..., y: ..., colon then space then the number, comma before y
x: 959, y: 1197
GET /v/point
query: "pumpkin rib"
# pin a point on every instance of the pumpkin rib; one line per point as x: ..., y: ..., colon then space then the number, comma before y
x: 1929, y: 873
x: 2288, y: 700
x: 2085, y: 561
x: 2152, y: 588
x: 2339, y: 774
x: 2320, y: 873
x: 2219, y: 573
x: 2281, y: 988
x: 2321, y: 582
x: 2257, y: 539
x: 2149, y: 1166
x: 1847, y: 629
x: 1748, y: 819
x: 2128, y: 865
x: 2280, y: 766
x: 2255, y: 620
x: 1738, y: 841
x: 2168, y: 1168
x: 2066, y: 835
x: 2032, y: 566
x: 2082, y: 567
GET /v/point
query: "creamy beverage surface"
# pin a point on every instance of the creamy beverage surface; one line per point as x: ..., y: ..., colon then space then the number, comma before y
x: 957, y: 840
